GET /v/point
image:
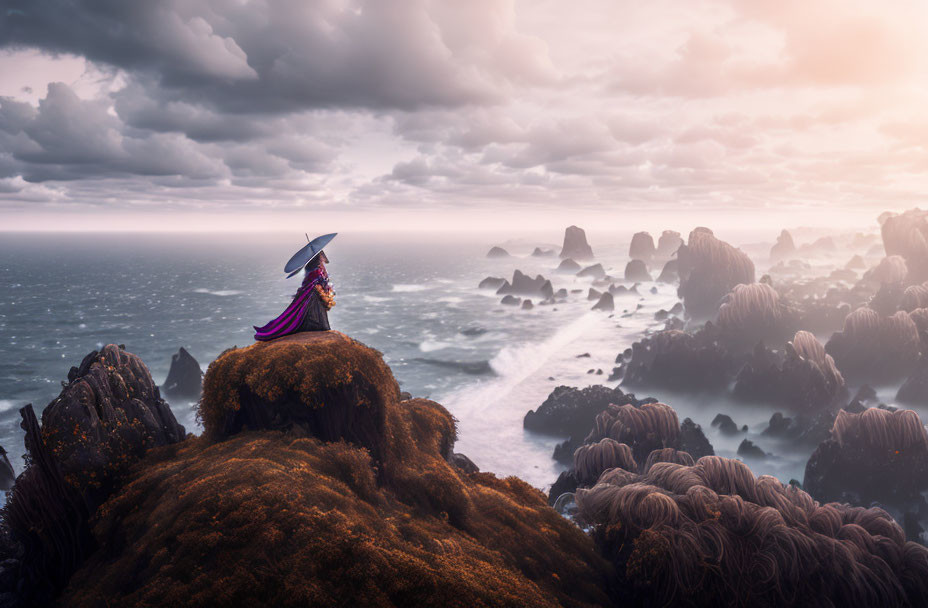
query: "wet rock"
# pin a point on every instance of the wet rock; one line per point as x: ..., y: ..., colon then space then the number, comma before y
x: 605, y: 303
x: 747, y: 449
x: 492, y: 283
x: 527, y: 305
x: 693, y: 441
x: 596, y: 271
x: 524, y: 285
x: 575, y: 245
x: 725, y: 424
x: 510, y: 301
x: 636, y: 270
x: 497, y: 252
x: 463, y: 463
x: 566, y: 482
x: 185, y: 377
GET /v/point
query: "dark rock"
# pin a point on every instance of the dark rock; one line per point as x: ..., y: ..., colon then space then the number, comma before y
x: 617, y: 373
x: 405, y: 395
x: 661, y: 315
x: 596, y: 271
x: 510, y: 301
x: 527, y: 305
x: 906, y: 235
x: 747, y: 449
x: 677, y: 308
x: 185, y: 378
x: 670, y: 273
x: 492, y: 283
x: 542, y: 253
x: 605, y: 303
x: 593, y: 294
x: 779, y: 426
x: 636, y: 270
x: 471, y: 332
x: 566, y: 482
x: 753, y: 313
x: 463, y: 463
x: 876, y: 349
x: 575, y: 245
x: 726, y: 425
x: 693, y: 441
x: 570, y: 412
x: 497, y: 252
x: 523, y: 285
x: 560, y: 293
x: 583, y: 355
x: 568, y: 266
x: 642, y: 246
x: 7, y: 476
x: 679, y: 360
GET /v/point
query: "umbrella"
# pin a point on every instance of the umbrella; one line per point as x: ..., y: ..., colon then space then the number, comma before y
x: 307, y: 253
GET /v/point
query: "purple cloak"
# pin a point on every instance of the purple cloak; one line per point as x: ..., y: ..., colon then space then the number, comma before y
x: 290, y: 320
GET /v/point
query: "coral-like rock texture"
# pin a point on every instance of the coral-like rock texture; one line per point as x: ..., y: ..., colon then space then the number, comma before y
x: 875, y: 349
x: 349, y: 499
x: 711, y: 534
x: 907, y: 235
x: 754, y: 313
x: 709, y: 269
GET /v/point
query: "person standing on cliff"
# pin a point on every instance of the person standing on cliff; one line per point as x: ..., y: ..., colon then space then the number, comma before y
x: 311, y: 303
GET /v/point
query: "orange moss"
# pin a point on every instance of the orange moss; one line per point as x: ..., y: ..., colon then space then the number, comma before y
x: 324, y: 514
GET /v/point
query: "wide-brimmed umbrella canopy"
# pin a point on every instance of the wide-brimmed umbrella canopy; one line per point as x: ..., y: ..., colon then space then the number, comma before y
x: 307, y: 253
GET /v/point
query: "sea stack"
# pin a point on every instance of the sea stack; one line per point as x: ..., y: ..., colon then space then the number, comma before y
x: 642, y: 247
x: 575, y: 245
x: 784, y: 247
x: 185, y: 378
x: 709, y: 268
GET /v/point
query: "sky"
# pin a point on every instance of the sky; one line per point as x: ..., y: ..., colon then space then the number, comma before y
x: 486, y: 115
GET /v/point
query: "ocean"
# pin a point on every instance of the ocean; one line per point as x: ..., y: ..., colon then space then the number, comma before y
x: 412, y: 297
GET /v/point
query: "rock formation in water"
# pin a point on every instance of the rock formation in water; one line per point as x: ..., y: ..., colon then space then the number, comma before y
x: 493, y: 283
x: 856, y: 263
x: 668, y: 243
x: 596, y: 271
x: 803, y: 378
x: 784, y: 248
x: 753, y: 313
x: 709, y: 269
x: 711, y: 534
x: 670, y: 272
x: 891, y: 270
x: 644, y: 428
x: 524, y: 285
x: 679, y: 360
x: 906, y: 235
x: 568, y: 266
x: 637, y: 270
x: 185, y: 378
x: 350, y: 493
x: 606, y: 302
x: 107, y: 416
x: 642, y: 247
x: 575, y: 245
x: 497, y: 252
x: 876, y: 456
x: 914, y: 391
x: 875, y: 349
x: 538, y: 252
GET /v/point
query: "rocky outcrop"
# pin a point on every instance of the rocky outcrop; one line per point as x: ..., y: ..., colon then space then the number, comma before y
x: 510, y: 301
x: 497, y: 252
x: 644, y: 428
x: 784, y: 248
x: 637, y: 270
x: 693, y: 441
x: 709, y: 269
x: 538, y: 252
x: 873, y: 457
x: 605, y: 302
x: 914, y: 296
x: 185, y: 378
x: 875, y: 349
x: 906, y: 235
x: 7, y: 476
x: 568, y: 266
x: 914, y: 391
x: 694, y: 535
x: 891, y: 270
x: 493, y: 283
x: 670, y: 272
x: 108, y: 415
x: 753, y: 313
x: 570, y: 412
x: 524, y: 285
x: 804, y: 378
x: 668, y: 243
x: 679, y: 360
x: 575, y: 245
x: 642, y: 247
x: 596, y: 271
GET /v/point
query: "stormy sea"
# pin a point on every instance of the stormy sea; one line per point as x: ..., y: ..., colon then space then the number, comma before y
x: 415, y: 298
